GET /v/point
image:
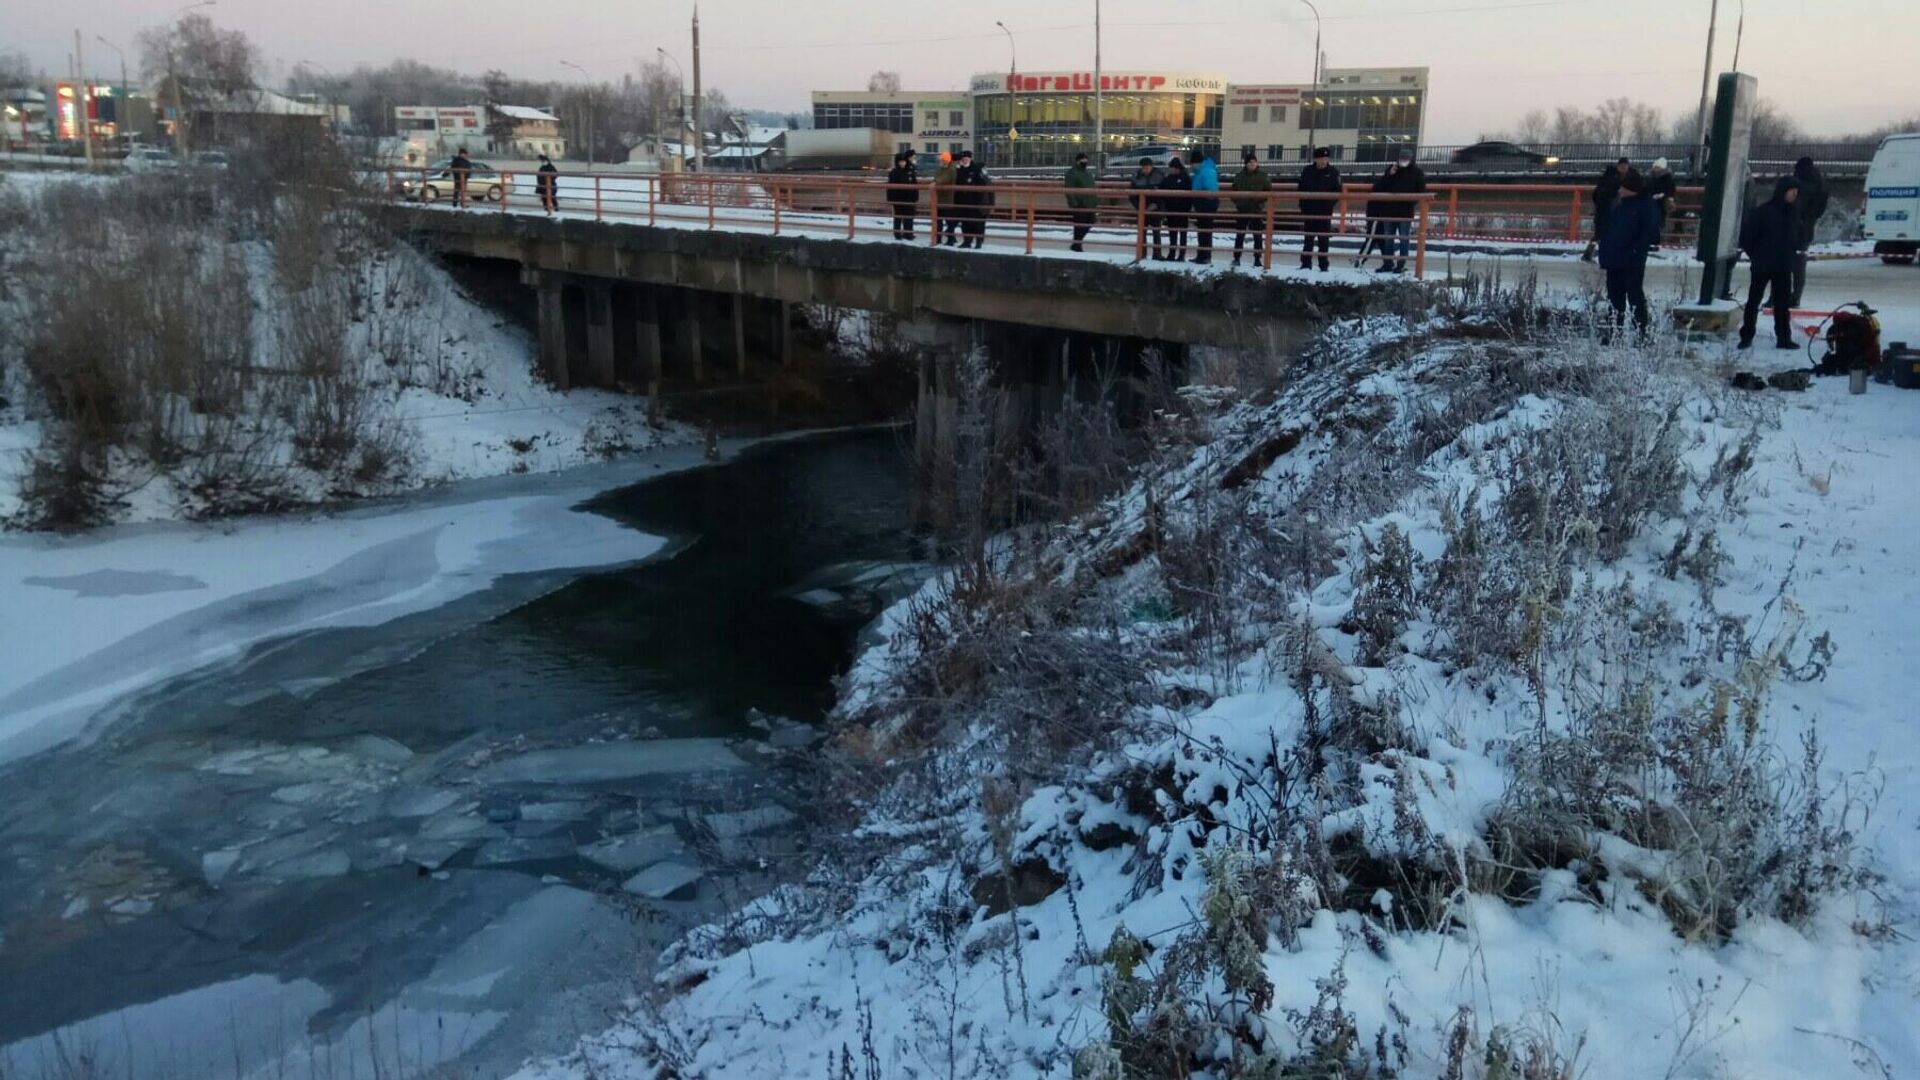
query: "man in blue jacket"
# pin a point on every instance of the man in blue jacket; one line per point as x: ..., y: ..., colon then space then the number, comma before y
x: 1206, y: 177
x: 1633, y: 231
x: 1769, y: 236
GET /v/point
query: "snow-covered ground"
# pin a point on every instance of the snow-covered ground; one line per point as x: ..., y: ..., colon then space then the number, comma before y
x: 1133, y: 931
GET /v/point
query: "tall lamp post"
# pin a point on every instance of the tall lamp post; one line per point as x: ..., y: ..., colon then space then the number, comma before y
x: 1013, y: 70
x: 180, y: 146
x: 1706, y: 76
x: 680, y: 97
x: 589, y: 79
x: 1313, y: 124
x: 1099, y: 102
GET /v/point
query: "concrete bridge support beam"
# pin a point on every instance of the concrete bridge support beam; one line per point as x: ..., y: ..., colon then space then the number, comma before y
x: 553, y: 328
x: 646, y: 328
x: 602, y: 368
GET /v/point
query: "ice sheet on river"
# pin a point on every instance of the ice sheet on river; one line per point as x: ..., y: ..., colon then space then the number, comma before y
x: 611, y: 761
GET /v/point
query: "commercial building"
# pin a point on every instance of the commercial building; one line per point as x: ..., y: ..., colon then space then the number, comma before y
x: 1044, y: 118
x: 1359, y: 114
x: 510, y: 130
x: 929, y: 121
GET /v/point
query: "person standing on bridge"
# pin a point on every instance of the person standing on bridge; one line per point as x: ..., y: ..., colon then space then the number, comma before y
x: 1147, y: 207
x: 975, y: 201
x: 1660, y: 188
x: 548, y: 181
x: 1206, y: 178
x: 1604, y: 195
x: 1633, y: 231
x: 1813, y: 207
x: 460, y: 168
x: 1316, y: 215
x: 1250, y: 186
x: 1396, y: 215
x: 1769, y: 236
x: 903, y: 192
x: 1081, y: 199
x: 1175, y: 206
x: 943, y: 182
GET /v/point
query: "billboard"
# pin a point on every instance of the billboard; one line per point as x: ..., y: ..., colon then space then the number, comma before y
x: 1081, y: 82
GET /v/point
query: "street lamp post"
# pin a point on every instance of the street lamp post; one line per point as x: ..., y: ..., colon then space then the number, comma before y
x: 1706, y: 76
x: 1099, y: 101
x: 1739, y: 31
x: 1313, y: 124
x: 680, y: 98
x: 584, y: 75
x: 123, y: 72
x: 1013, y: 70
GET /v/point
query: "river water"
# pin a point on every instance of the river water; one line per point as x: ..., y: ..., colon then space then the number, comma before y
x: 455, y: 839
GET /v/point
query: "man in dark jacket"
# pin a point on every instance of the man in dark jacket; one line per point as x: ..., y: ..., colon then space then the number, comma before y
x: 1633, y: 231
x: 1082, y: 199
x: 1316, y: 215
x: 1768, y: 237
x: 1396, y: 215
x: 1813, y: 206
x: 1175, y: 208
x: 460, y: 167
x: 1604, y: 195
x: 1145, y: 180
x: 973, y: 201
x: 1250, y: 209
x: 903, y: 192
x: 548, y: 180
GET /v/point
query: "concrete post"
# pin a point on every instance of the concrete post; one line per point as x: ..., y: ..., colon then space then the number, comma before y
x: 739, y: 311
x: 647, y: 333
x: 696, y: 355
x: 553, y: 329
x: 600, y: 351
x: 783, y: 311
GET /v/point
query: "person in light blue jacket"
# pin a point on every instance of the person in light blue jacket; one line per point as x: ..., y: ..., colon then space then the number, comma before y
x: 1206, y: 177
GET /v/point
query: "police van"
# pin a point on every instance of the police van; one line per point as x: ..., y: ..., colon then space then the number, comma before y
x: 1893, y: 199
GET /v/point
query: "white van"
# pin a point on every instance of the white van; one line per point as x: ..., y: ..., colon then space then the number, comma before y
x: 1893, y: 199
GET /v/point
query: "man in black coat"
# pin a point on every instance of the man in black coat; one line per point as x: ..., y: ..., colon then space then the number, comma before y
x: 903, y: 193
x: 1813, y: 206
x: 1604, y: 195
x: 548, y: 180
x: 460, y: 167
x: 1403, y: 177
x: 1316, y: 215
x: 972, y: 200
x: 1768, y: 237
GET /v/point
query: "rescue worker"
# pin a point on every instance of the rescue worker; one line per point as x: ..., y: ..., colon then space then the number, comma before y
x: 1633, y: 231
x: 974, y: 201
x: 1768, y: 237
x: 1082, y: 202
x: 1813, y: 206
x: 1250, y: 212
x: 943, y: 182
x: 1604, y: 195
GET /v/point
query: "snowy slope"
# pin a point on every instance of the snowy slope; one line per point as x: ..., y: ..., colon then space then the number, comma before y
x: 1323, y: 854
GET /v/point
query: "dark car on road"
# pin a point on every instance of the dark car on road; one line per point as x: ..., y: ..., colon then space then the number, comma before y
x: 1501, y: 153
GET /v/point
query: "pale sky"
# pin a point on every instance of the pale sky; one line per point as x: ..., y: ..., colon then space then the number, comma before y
x: 1834, y: 64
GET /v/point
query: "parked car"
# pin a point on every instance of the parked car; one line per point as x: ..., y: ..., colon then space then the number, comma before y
x: 151, y: 161
x: 1128, y: 160
x: 210, y: 159
x: 483, y: 182
x: 1501, y: 153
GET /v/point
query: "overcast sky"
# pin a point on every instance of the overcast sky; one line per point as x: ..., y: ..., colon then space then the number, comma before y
x: 1834, y: 64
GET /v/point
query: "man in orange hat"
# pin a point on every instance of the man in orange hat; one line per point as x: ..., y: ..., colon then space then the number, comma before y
x: 943, y: 182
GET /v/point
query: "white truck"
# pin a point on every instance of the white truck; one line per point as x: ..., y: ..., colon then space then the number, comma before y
x: 1893, y: 199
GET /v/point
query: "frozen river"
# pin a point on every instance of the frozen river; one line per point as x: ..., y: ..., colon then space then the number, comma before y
x: 452, y: 837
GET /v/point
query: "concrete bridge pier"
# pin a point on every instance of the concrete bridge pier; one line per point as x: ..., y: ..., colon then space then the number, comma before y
x: 604, y: 333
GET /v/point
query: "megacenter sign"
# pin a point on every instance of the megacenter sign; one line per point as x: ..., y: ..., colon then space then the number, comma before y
x: 1112, y: 82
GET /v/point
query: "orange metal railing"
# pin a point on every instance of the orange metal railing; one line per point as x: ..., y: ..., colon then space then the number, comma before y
x: 1036, y: 218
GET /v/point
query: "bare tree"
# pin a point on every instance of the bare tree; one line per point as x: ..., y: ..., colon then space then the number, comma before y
x: 1610, y: 121
x: 1533, y: 127
x: 1643, y: 123
x: 15, y: 69
x: 1772, y: 125
x: 203, y: 57
x: 714, y: 109
x: 1570, y: 125
x: 884, y: 82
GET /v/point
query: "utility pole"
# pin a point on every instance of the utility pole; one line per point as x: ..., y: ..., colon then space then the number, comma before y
x: 1099, y: 102
x: 83, y: 100
x: 1706, y: 76
x: 699, y: 120
x: 1313, y: 123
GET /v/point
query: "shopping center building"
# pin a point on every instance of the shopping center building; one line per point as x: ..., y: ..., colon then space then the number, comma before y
x: 1041, y: 119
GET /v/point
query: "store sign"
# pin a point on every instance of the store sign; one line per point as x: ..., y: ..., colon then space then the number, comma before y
x: 1069, y: 82
x: 1265, y: 95
x: 959, y: 133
